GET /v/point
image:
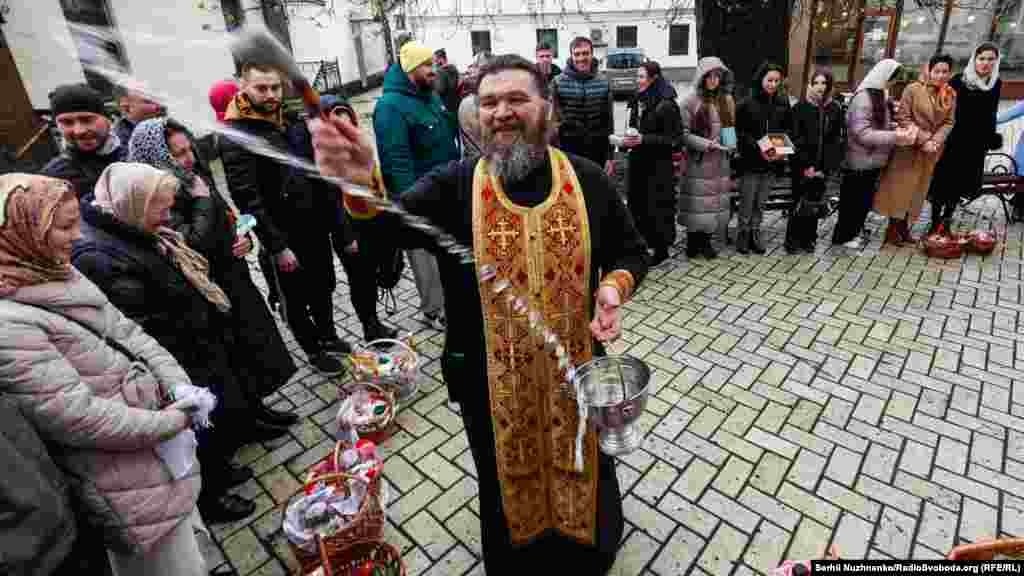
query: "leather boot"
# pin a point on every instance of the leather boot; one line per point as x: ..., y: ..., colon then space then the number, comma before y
x: 892, y: 234
x: 743, y: 242
x: 692, y: 245
x: 755, y: 242
x: 793, y: 232
x: 706, y: 248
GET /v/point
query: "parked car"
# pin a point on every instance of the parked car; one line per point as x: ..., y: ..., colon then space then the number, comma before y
x: 621, y: 65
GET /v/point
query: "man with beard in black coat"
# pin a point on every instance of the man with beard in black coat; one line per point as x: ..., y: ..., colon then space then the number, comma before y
x: 294, y: 219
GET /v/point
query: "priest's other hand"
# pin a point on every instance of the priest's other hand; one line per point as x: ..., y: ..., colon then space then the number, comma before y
x: 341, y: 149
x: 607, y: 323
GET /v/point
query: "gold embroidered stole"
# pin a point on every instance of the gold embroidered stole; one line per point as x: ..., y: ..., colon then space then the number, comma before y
x: 544, y: 252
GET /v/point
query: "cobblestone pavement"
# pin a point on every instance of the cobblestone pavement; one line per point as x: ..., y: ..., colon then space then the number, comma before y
x: 873, y: 400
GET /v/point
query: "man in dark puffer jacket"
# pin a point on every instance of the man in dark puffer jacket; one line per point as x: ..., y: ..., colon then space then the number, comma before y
x: 583, y: 102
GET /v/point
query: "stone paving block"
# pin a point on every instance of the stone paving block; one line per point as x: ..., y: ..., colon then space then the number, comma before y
x: 688, y: 514
x: 680, y: 556
x: 853, y: 536
x: 1013, y: 515
x: 634, y: 554
x: 895, y: 533
x: 769, y: 507
x: 655, y: 482
x: 880, y: 462
x: 837, y: 412
x: 848, y: 500
x: 667, y: 451
x: 978, y: 521
x: 705, y: 424
x: 766, y: 548
x: 245, y: 552
x: 703, y: 448
x: 938, y: 528
x: 810, y: 540
x: 807, y: 469
x: 917, y: 458
x: 769, y: 472
x: 840, y: 437
x: 672, y: 424
x: 741, y: 419
x: 465, y: 526
x: 987, y: 451
x: 435, y: 467
x: 844, y: 465
x: 429, y: 534
x: 733, y: 476
x: 412, y: 502
x: 981, y: 425
x: 280, y: 484
x: 695, y: 479
x: 1015, y: 445
x: 999, y: 480
x: 888, y: 495
x: 772, y: 443
x: 729, y: 510
x: 457, y: 561
x: 453, y: 498
x: 807, y: 441
x: 808, y: 504
x: 723, y: 550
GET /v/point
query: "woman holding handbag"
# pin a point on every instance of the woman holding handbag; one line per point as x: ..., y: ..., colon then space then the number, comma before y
x: 927, y: 105
x: 817, y: 134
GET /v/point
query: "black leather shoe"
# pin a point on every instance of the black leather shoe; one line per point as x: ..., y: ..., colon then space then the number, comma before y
x: 237, y: 475
x: 261, y: 431
x: 227, y: 508
x: 743, y: 242
x: 706, y: 249
x: 276, y: 417
x: 379, y: 331
x: 335, y: 345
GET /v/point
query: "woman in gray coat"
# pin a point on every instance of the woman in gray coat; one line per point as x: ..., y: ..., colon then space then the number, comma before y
x: 703, y: 203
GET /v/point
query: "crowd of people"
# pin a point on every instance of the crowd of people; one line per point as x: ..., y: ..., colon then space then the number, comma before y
x: 124, y: 272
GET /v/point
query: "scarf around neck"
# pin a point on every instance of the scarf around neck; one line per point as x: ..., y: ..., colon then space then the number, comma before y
x: 241, y: 108
x: 124, y: 190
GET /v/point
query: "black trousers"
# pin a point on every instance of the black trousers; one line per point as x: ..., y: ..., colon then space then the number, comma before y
x: 308, y: 291
x: 361, y: 268
x: 856, y: 196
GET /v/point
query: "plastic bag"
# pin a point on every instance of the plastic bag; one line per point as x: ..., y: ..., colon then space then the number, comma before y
x: 179, y: 453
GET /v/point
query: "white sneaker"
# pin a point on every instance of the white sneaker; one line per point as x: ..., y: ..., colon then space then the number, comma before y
x: 855, y: 244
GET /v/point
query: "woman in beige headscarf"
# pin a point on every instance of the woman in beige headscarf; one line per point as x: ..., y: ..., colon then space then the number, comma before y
x: 149, y: 272
x: 94, y: 384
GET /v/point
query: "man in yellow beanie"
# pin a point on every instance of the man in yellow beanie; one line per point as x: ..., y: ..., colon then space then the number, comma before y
x: 415, y: 133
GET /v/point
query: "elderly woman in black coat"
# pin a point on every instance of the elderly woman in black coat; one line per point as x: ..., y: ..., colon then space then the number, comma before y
x: 202, y: 215
x: 959, y: 170
x: 651, y: 192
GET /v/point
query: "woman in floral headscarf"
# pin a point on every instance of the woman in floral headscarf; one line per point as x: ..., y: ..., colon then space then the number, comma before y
x: 93, y: 383
x: 927, y: 105
x: 208, y: 224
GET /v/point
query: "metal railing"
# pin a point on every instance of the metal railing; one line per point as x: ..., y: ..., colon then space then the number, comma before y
x: 324, y: 75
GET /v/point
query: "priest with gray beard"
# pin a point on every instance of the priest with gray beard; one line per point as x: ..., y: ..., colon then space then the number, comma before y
x: 552, y: 224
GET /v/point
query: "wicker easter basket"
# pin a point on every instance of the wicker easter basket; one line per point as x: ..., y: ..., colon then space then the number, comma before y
x: 381, y: 426
x: 363, y: 558
x: 367, y: 526
x: 388, y: 363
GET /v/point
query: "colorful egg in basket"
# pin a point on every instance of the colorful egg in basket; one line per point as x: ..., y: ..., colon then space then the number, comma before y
x: 981, y: 242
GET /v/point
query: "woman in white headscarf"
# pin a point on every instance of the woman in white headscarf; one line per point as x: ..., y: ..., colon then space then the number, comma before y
x: 871, y: 137
x: 974, y: 134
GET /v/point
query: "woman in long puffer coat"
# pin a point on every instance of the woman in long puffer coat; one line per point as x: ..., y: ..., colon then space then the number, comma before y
x: 706, y: 112
x: 93, y: 384
x: 651, y: 192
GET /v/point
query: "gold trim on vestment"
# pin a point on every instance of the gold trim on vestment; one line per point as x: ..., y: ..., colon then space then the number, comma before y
x: 544, y: 251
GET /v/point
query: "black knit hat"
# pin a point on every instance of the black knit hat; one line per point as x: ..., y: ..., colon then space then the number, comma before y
x: 76, y: 98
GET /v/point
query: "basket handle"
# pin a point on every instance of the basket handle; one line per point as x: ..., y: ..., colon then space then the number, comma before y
x: 324, y: 560
x: 390, y: 341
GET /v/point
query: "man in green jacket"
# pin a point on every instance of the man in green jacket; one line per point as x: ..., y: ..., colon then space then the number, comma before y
x: 415, y: 134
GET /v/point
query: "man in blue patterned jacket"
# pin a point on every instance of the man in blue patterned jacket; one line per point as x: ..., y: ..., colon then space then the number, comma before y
x: 583, y: 102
